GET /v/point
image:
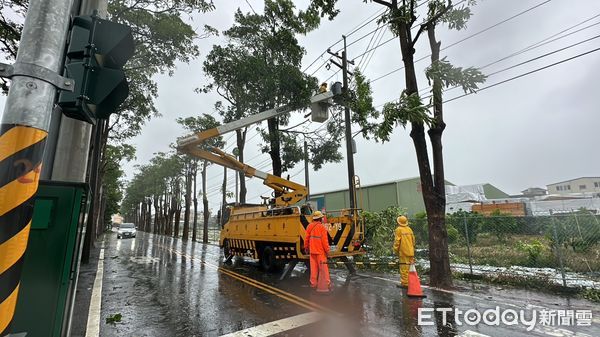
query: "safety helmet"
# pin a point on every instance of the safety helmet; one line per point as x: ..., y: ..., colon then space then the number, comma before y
x: 317, y: 215
x: 402, y: 220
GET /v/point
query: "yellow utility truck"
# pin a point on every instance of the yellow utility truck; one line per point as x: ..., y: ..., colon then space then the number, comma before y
x: 274, y: 232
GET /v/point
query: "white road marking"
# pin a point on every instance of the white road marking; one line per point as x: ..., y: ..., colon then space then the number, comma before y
x: 93, y: 323
x: 470, y: 333
x: 275, y: 327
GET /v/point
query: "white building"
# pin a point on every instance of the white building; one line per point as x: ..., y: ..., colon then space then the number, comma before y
x: 583, y: 186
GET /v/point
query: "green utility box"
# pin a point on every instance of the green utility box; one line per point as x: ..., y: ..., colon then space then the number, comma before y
x: 49, y: 277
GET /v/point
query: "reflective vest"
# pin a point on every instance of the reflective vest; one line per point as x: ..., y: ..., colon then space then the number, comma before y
x: 317, y: 241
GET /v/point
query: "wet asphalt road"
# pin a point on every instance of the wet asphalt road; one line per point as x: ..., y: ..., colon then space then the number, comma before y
x: 166, y: 287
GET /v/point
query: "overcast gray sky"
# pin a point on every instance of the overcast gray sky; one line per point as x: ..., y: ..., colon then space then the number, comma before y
x: 530, y: 132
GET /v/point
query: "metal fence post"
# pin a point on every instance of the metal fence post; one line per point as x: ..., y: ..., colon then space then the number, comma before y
x: 468, y: 243
x: 557, y: 249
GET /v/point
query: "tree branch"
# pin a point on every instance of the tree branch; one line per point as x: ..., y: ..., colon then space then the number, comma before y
x: 431, y: 21
x: 385, y: 3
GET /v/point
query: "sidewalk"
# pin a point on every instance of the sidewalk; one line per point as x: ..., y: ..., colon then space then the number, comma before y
x: 87, y: 274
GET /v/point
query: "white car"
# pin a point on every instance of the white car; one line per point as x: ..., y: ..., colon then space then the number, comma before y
x: 126, y: 230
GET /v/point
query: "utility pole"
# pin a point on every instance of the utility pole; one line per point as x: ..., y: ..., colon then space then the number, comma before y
x: 306, y: 181
x: 349, y: 152
x: 23, y: 133
x: 224, y: 200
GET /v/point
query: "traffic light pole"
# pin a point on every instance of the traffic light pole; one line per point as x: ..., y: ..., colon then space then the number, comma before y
x: 23, y: 132
x: 70, y: 161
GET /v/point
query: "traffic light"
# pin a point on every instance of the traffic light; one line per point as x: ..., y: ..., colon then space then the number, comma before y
x: 97, y: 51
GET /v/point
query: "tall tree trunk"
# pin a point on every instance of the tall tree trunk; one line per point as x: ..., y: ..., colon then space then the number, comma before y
x: 195, y: 226
x: 177, y: 216
x: 275, y: 146
x: 441, y: 275
x: 188, y: 201
x: 204, y: 204
x: 438, y: 247
x: 241, y: 142
x: 157, y: 214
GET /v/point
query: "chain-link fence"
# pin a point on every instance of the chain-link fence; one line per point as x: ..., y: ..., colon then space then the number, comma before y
x: 562, y: 249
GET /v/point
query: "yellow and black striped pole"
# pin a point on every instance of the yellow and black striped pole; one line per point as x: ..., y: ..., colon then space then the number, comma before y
x: 23, y: 132
x: 21, y: 151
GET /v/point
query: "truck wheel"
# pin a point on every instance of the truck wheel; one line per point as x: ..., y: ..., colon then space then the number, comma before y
x: 267, y: 259
x: 226, y: 249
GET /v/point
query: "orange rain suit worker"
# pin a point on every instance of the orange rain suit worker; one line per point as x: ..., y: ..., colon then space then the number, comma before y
x: 317, y: 244
x: 404, y: 247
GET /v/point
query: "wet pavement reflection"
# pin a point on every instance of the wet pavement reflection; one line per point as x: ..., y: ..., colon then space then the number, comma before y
x: 166, y: 287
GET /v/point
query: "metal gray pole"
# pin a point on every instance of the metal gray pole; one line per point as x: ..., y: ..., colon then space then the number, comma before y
x: 349, y: 152
x: 73, y: 146
x: 71, y: 159
x: 306, y: 181
x: 468, y: 243
x: 224, y: 200
x: 23, y: 133
x: 557, y: 249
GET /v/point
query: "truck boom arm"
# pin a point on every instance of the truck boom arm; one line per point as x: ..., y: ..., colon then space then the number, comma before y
x: 290, y: 192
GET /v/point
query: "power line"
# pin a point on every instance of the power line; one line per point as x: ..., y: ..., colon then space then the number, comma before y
x: 463, y: 39
x: 512, y: 78
x: 545, y: 41
x: 370, y: 57
x: 355, y: 29
x: 370, y: 41
x: 531, y: 47
x: 525, y: 74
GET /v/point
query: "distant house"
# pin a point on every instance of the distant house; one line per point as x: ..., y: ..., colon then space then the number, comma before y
x: 533, y: 192
x: 583, y: 185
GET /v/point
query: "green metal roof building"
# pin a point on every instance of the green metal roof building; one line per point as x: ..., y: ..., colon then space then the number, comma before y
x: 404, y: 193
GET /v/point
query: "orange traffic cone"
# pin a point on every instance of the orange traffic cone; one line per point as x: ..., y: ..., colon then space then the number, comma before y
x: 322, y: 284
x: 414, y: 284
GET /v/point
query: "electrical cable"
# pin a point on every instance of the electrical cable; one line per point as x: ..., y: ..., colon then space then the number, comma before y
x: 524, y: 62
x: 463, y: 39
x: 525, y: 74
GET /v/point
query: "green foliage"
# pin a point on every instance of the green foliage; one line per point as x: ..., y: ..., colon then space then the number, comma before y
x: 421, y: 228
x: 259, y: 69
x: 452, y: 233
x: 578, y: 231
x: 409, y: 109
x: 361, y: 103
x: 152, y: 181
x: 533, y: 249
x: 473, y: 224
x: 500, y: 224
x: 450, y: 75
x: 112, y: 319
x: 112, y: 176
x: 379, y: 230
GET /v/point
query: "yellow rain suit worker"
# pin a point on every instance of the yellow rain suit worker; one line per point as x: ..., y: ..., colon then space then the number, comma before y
x: 404, y: 247
x: 317, y: 244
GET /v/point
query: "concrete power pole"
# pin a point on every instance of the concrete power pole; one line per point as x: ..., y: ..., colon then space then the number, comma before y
x: 23, y: 133
x: 348, y: 131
